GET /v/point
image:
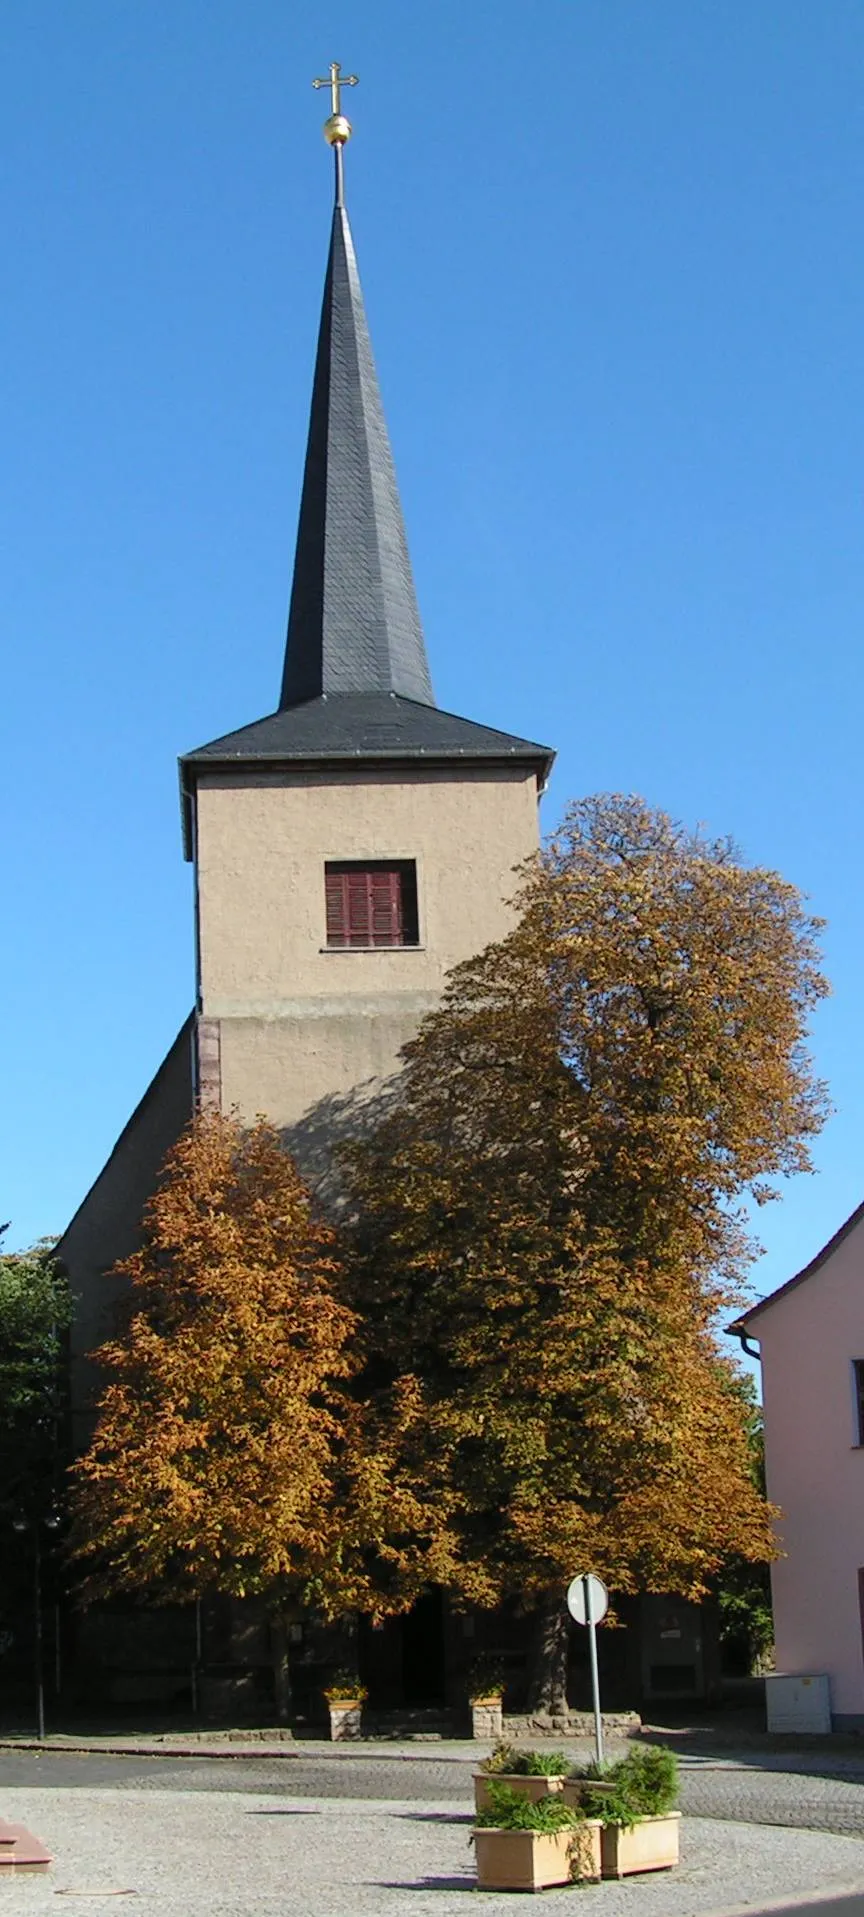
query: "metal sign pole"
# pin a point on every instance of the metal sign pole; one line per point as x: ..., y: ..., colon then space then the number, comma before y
x: 595, y: 1675
x: 37, y: 1633
x: 588, y: 1602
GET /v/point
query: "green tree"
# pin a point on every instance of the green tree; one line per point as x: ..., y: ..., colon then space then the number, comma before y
x: 742, y: 1589
x: 549, y: 1220
x: 35, y: 1312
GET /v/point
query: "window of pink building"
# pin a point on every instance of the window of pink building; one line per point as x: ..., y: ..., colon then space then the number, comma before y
x: 858, y: 1396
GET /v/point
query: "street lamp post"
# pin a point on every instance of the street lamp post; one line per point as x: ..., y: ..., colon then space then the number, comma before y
x: 51, y: 1521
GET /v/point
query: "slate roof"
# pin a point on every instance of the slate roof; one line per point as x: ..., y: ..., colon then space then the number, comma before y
x: 351, y: 726
x: 356, y: 682
x: 376, y: 725
x: 353, y: 624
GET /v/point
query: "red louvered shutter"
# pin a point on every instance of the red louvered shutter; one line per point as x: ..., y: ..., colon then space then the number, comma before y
x: 385, y: 908
x: 337, y: 914
x: 357, y: 896
x: 364, y: 906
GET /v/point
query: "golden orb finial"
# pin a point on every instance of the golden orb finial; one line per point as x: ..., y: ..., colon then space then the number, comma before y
x: 337, y: 129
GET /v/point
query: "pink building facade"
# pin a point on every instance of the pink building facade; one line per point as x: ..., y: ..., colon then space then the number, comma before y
x: 811, y: 1343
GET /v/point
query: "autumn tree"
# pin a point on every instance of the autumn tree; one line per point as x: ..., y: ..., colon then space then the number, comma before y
x: 550, y: 1218
x: 222, y: 1459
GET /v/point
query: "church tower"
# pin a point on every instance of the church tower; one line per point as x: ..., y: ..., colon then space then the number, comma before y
x: 358, y: 842
x: 349, y: 848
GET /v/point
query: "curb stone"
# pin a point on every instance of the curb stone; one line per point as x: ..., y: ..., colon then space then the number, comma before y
x: 422, y: 1750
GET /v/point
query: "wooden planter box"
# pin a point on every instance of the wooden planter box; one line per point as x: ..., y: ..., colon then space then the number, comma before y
x: 652, y: 1844
x: 529, y: 1860
x: 531, y: 1787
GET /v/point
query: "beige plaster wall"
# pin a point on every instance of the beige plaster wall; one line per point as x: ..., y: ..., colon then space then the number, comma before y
x: 298, y: 1023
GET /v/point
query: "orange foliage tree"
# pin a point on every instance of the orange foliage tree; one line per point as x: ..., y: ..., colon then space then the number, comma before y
x: 549, y: 1220
x: 225, y: 1455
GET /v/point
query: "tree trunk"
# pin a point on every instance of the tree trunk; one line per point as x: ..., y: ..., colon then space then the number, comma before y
x: 547, y: 1682
x: 281, y: 1667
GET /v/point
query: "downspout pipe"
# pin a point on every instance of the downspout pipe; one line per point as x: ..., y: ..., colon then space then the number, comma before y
x: 750, y: 1349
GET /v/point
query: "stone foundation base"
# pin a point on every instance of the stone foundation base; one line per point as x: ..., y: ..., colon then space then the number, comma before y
x: 487, y: 1721
x: 570, y: 1724
x: 345, y: 1721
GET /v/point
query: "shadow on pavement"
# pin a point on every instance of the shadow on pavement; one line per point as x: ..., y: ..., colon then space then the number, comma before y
x: 819, y: 1907
x: 741, y: 1737
x: 436, y: 1817
x: 431, y: 1883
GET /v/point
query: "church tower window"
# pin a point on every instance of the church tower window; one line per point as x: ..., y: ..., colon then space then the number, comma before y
x: 371, y: 904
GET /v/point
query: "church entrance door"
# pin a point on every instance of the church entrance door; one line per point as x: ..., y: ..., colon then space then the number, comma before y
x: 423, y: 1652
x: 402, y: 1660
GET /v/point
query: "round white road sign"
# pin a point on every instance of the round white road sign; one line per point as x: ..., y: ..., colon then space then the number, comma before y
x: 578, y: 1596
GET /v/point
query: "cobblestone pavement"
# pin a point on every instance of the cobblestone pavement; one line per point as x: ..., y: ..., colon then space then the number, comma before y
x: 792, y: 1798
x: 819, y: 1792
x: 230, y: 1853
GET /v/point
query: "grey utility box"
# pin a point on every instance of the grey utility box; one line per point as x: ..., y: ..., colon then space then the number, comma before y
x: 795, y: 1703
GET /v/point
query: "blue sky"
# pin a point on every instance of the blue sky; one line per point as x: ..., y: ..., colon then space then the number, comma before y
x: 611, y: 257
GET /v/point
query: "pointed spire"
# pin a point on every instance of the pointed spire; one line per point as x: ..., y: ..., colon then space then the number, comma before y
x: 356, y: 688
x: 353, y: 624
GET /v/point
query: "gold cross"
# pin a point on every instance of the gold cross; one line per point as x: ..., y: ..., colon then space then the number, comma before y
x: 336, y: 82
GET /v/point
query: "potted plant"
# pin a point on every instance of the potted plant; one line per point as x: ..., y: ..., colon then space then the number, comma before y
x: 345, y: 1697
x: 529, y: 1846
x: 534, y: 1774
x: 486, y: 1697
x: 633, y: 1801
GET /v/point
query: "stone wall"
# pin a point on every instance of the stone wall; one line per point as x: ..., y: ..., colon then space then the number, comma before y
x: 571, y: 1724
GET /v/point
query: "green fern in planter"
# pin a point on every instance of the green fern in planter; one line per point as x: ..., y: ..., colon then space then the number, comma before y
x: 509, y: 1810
x: 549, y: 1817
x: 642, y: 1784
x: 505, y: 1757
x: 515, y: 1763
x: 544, y: 1764
x: 652, y: 1778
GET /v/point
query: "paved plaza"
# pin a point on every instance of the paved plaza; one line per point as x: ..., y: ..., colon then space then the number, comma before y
x: 321, y: 1832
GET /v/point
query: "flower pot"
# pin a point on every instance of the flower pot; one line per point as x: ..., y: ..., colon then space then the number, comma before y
x: 531, y: 1860
x: 651, y: 1844
x: 531, y: 1787
x: 487, y: 1717
x: 345, y: 1719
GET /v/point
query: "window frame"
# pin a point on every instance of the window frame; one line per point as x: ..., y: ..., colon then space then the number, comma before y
x: 403, y: 933
x: 856, y: 1380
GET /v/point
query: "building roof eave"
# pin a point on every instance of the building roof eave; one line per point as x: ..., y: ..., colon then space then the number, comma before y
x: 536, y: 759
x: 746, y: 1318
